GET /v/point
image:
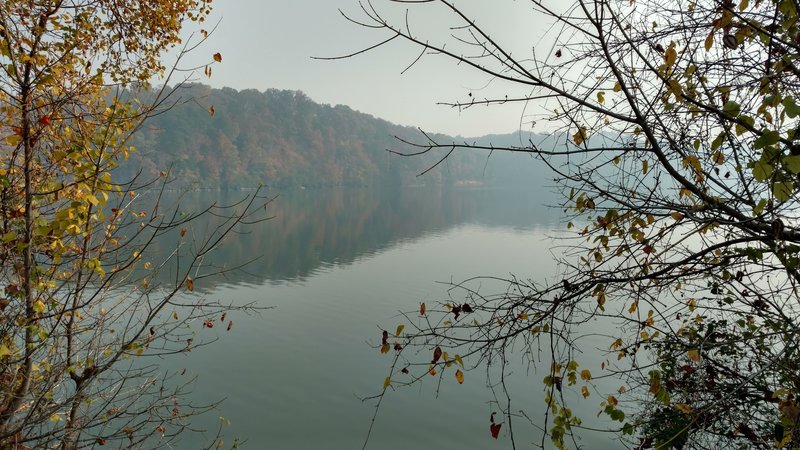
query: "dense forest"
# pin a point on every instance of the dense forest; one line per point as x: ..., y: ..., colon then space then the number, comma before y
x: 229, y: 139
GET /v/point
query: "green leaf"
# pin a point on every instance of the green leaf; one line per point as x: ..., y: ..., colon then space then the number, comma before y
x: 791, y: 108
x: 782, y: 190
x: 792, y: 162
x: 762, y: 171
x: 731, y: 108
x: 760, y: 207
x: 769, y: 137
x: 717, y: 143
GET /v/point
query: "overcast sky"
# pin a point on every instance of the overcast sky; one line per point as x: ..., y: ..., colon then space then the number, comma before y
x: 270, y: 43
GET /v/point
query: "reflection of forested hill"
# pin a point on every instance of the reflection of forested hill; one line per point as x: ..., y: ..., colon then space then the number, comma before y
x: 318, y: 228
x: 282, y: 138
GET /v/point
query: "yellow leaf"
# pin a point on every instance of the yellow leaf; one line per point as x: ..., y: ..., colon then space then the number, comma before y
x: 580, y: 137
x: 684, y: 408
x: 585, y: 392
x: 189, y: 284
x: 38, y: 306
x: 218, y: 57
x: 4, y: 350
x: 399, y: 330
x: 13, y: 140
x: 387, y: 382
x: 460, y: 377
x: 694, y: 355
x: 644, y: 166
x: 459, y: 360
x: 601, y: 97
x: 617, y: 87
x: 55, y: 418
x: 422, y: 309
x: 670, y: 56
x: 709, y: 41
x: 676, y: 216
x: 586, y: 375
x: 523, y: 316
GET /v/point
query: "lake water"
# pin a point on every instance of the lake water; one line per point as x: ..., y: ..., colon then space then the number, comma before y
x: 338, y: 266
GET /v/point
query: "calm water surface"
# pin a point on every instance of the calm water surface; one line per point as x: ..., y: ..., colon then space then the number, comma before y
x: 338, y: 266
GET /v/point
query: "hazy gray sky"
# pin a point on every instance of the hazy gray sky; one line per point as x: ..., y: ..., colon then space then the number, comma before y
x: 270, y: 44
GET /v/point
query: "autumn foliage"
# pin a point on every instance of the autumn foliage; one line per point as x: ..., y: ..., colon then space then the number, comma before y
x: 78, y: 313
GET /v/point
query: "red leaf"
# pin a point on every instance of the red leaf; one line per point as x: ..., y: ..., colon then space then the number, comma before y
x: 491, y: 418
x: 208, y: 323
x: 44, y: 121
x: 495, y: 429
x: 558, y: 53
x: 218, y: 57
x: 405, y: 370
x: 466, y: 308
x: 437, y: 353
x: 422, y: 309
x: 230, y: 325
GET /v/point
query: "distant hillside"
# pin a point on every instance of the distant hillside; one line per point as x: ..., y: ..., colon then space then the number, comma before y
x: 283, y: 138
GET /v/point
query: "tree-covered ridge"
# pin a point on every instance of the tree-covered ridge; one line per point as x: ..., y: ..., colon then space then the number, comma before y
x: 224, y: 138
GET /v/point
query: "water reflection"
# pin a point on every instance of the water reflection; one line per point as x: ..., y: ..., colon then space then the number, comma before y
x: 313, y: 230
x: 338, y: 266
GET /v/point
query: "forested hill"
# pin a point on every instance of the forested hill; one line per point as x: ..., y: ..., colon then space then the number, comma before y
x: 282, y: 138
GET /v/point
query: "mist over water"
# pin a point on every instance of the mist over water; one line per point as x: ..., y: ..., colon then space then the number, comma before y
x: 338, y: 266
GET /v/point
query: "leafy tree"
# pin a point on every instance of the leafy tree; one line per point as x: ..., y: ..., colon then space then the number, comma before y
x: 675, y: 137
x: 79, y: 315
